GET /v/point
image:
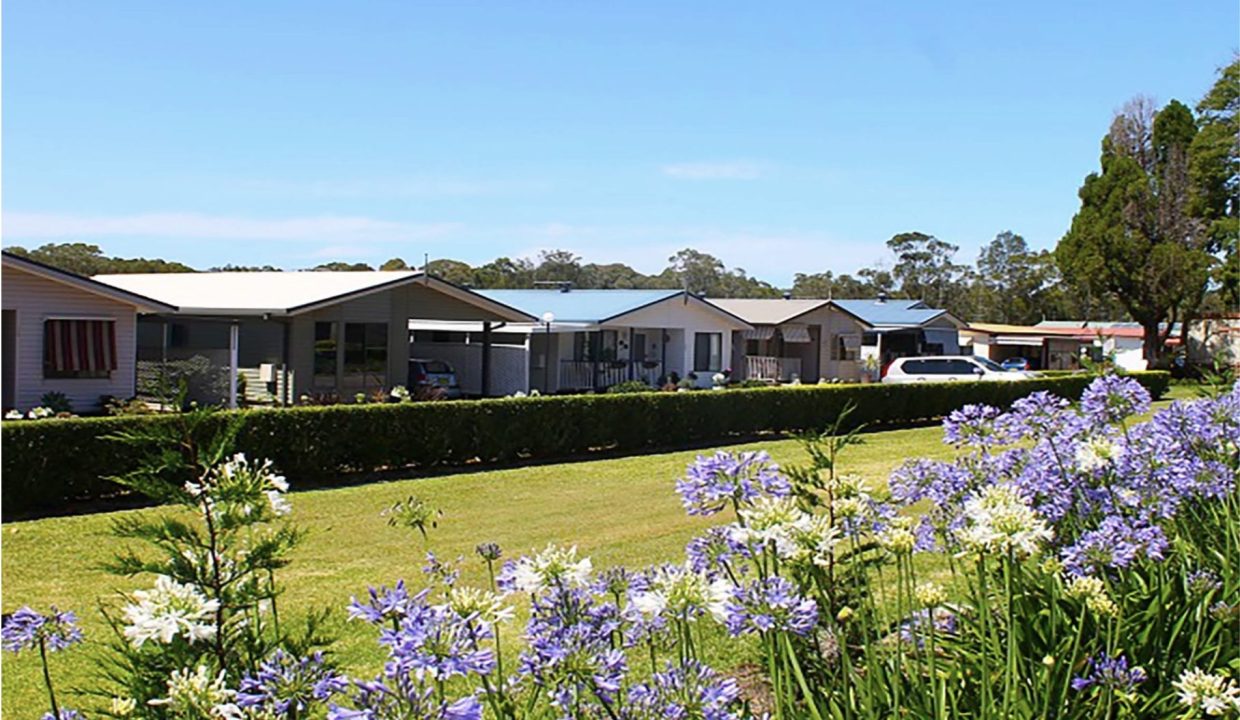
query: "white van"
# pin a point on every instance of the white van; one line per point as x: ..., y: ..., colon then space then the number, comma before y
x: 947, y: 368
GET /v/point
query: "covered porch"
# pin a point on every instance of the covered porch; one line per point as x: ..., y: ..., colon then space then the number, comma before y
x: 779, y: 353
x: 592, y: 360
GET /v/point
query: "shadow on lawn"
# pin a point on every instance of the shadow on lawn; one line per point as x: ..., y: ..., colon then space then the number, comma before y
x: 130, y: 501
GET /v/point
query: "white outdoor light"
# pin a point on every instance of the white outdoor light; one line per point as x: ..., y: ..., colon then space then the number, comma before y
x: 548, y: 317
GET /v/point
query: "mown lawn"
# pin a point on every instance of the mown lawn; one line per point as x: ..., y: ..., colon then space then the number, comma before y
x: 617, y: 511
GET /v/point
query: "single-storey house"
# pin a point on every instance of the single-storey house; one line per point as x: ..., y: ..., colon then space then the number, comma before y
x: 589, y: 340
x: 280, y: 336
x: 1123, y: 341
x: 813, y: 339
x: 893, y: 328
x: 787, y: 339
x: 64, y: 333
x: 1045, y: 347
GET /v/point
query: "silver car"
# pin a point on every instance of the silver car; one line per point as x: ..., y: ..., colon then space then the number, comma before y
x: 435, y: 376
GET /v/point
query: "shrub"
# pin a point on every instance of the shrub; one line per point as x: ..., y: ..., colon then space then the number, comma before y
x: 48, y: 463
x: 629, y: 386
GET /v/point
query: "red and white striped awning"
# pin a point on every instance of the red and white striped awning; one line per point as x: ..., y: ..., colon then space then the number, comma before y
x: 79, y: 345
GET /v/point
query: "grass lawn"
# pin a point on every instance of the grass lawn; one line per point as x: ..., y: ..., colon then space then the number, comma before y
x: 617, y: 511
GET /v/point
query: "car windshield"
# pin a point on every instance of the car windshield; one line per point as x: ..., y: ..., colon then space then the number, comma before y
x: 989, y: 364
x: 436, y: 366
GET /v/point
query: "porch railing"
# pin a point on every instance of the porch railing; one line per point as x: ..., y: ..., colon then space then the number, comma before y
x: 762, y: 367
x: 589, y: 375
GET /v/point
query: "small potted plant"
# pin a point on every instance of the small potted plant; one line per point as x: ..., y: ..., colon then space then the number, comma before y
x: 870, y: 364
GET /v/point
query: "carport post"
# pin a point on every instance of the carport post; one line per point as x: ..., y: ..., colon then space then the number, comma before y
x: 486, y: 358
x: 234, y: 332
x: 879, y: 352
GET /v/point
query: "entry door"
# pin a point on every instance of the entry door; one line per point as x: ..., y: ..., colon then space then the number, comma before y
x: 638, y: 351
x: 9, y: 359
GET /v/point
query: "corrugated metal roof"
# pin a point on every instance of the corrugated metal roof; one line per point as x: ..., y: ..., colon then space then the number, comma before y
x: 578, y: 305
x: 890, y: 312
x: 767, y: 311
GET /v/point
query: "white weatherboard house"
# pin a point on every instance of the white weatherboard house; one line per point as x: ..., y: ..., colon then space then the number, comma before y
x: 291, y: 334
x: 64, y: 333
x: 812, y: 339
x: 589, y: 340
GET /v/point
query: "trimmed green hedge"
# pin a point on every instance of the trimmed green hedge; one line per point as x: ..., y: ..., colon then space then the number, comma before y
x: 49, y: 462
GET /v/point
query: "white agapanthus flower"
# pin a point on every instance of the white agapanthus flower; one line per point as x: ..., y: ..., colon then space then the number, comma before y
x: 797, y: 536
x: 39, y: 413
x: 487, y: 606
x: 254, y: 479
x: 999, y: 520
x: 769, y: 521
x: 197, y: 693
x: 1096, y: 453
x: 552, y: 567
x: 678, y: 591
x: 169, y: 610
x: 1212, y: 693
x: 14, y: 415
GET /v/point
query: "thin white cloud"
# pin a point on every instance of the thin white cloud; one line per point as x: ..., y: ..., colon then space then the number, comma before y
x: 50, y: 226
x: 414, y: 187
x: 713, y: 171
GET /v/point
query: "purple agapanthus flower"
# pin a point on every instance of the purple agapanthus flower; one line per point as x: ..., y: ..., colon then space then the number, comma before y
x: 1109, y: 672
x: 288, y: 686
x: 692, y: 690
x: 65, y: 714
x: 715, y: 550
x: 570, y: 651
x: 916, y: 629
x: 1115, y: 544
x: 713, y: 482
x: 1039, y: 415
x: 973, y: 425
x: 402, y: 697
x: 433, y: 642
x: 386, y: 605
x: 27, y: 629
x: 771, y: 605
x: 1112, y: 398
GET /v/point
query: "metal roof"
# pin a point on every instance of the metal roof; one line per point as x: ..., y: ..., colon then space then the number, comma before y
x: 767, y: 311
x: 90, y: 285
x: 590, y: 306
x: 279, y: 292
x: 890, y: 313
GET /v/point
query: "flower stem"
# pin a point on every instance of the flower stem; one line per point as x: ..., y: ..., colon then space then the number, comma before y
x: 47, y: 679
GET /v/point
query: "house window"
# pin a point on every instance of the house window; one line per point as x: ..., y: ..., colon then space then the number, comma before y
x: 79, y: 348
x: 365, y: 354
x: 707, y: 352
x: 595, y: 346
x: 325, y: 344
x: 844, y: 348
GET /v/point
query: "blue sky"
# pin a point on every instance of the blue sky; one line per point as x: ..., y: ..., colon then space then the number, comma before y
x: 782, y: 137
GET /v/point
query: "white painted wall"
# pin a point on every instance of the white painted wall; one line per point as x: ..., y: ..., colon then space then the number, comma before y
x: 510, y: 365
x: 1128, y: 352
x: 689, y: 318
x: 36, y: 299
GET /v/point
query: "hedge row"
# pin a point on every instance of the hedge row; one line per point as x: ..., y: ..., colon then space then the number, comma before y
x: 47, y: 463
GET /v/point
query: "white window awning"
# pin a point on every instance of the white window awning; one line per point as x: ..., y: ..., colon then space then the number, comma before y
x: 795, y: 333
x: 762, y: 332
